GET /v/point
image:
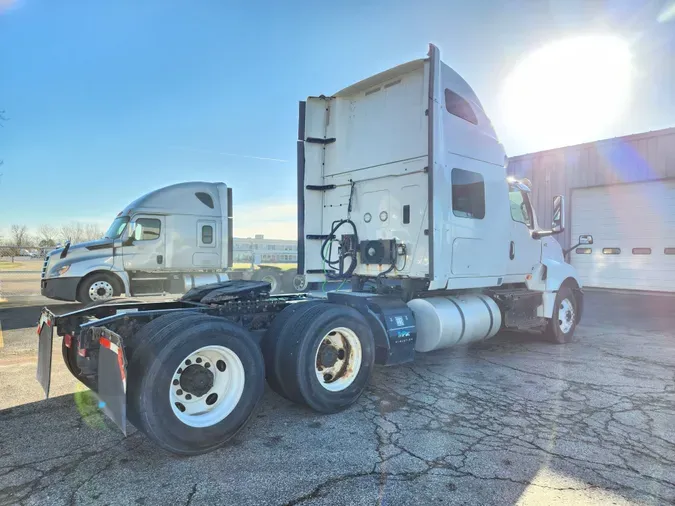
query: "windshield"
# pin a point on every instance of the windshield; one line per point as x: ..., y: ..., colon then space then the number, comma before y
x: 116, y: 228
x: 520, y: 207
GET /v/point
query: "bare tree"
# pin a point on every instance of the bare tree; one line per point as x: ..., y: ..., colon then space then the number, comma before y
x: 47, y: 236
x: 71, y: 232
x: 19, y: 239
x: 79, y: 232
x: 92, y: 231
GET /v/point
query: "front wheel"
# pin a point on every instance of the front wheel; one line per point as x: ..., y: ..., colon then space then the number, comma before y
x: 97, y: 288
x: 563, y: 322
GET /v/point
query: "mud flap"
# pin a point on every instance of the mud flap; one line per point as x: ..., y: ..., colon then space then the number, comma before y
x: 45, y: 331
x: 112, y: 376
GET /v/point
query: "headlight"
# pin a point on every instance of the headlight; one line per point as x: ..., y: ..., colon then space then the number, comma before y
x: 63, y: 270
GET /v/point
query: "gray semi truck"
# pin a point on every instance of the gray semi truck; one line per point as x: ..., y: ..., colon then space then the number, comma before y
x: 167, y: 241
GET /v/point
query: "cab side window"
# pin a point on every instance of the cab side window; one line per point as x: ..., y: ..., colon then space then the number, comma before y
x: 207, y: 234
x: 147, y: 229
x: 519, y: 207
x: 468, y: 194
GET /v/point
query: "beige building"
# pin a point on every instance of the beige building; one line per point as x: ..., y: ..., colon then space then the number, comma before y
x: 266, y: 250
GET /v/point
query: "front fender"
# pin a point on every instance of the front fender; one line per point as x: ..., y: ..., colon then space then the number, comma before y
x: 81, y: 269
x: 556, y: 274
x: 124, y: 276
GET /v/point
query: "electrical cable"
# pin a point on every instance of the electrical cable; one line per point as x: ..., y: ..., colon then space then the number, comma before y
x: 405, y: 259
x: 332, y: 237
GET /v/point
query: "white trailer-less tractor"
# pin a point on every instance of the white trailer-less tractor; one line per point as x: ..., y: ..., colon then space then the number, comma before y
x: 402, y: 190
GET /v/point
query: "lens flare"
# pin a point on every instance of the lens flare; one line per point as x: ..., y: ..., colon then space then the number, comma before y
x: 568, y: 91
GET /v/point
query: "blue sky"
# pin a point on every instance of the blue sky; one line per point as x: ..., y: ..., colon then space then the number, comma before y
x: 107, y: 100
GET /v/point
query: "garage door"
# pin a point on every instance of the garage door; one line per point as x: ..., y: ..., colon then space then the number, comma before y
x: 633, y: 228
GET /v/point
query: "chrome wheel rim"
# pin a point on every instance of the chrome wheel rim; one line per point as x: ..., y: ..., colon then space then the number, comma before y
x: 566, y: 316
x: 100, y: 290
x: 338, y: 358
x: 207, y: 386
x: 272, y: 281
x: 299, y: 283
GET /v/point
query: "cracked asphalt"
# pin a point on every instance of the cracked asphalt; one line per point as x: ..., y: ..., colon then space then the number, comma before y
x: 512, y: 421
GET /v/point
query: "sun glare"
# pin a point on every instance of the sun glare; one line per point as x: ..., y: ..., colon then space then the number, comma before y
x: 568, y: 91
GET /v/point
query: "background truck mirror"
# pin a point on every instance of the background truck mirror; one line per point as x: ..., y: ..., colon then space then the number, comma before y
x: 558, y: 223
x: 586, y: 239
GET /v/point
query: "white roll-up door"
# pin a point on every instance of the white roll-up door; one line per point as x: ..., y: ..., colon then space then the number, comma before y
x: 633, y: 227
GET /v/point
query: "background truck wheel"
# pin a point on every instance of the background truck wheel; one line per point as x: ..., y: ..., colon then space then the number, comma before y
x: 271, y: 276
x: 194, y: 382
x: 97, y: 288
x: 294, y: 282
x: 561, y: 326
x: 323, y: 355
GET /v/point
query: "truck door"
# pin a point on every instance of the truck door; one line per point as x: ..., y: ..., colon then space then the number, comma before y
x: 145, y: 246
x: 524, y: 251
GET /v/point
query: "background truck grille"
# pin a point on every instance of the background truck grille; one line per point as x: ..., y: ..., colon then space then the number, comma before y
x: 44, y: 268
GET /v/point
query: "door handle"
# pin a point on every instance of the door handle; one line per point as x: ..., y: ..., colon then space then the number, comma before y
x: 512, y: 251
x: 160, y: 259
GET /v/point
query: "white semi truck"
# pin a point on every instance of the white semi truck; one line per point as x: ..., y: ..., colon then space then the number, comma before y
x: 403, y: 191
x: 167, y: 241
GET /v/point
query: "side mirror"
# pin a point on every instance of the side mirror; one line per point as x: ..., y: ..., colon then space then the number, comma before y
x: 558, y: 224
x: 583, y: 239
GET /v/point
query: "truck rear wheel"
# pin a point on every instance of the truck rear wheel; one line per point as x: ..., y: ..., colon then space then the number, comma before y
x: 320, y: 355
x: 561, y: 326
x: 271, y: 276
x: 194, y: 382
x: 294, y: 282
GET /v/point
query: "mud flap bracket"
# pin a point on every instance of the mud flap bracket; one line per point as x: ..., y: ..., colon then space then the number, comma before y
x: 45, y: 331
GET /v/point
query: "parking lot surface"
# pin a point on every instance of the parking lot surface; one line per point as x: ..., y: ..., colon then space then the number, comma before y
x: 514, y: 420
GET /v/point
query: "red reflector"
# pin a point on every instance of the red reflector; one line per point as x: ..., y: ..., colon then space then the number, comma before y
x: 38, y: 330
x: 82, y: 352
x: 68, y: 340
x: 120, y: 362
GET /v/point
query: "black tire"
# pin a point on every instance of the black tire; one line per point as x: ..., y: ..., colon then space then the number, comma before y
x: 150, y: 372
x: 83, y: 288
x: 272, y: 276
x: 70, y: 359
x: 291, y: 369
x: 294, y: 282
x: 554, y: 332
x: 270, y: 342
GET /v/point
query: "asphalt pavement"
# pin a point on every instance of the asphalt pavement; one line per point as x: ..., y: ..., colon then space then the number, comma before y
x: 514, y: 420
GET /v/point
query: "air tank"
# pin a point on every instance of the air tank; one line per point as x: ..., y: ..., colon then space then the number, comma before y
x: 451, y: 320
x: 202, y: 278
